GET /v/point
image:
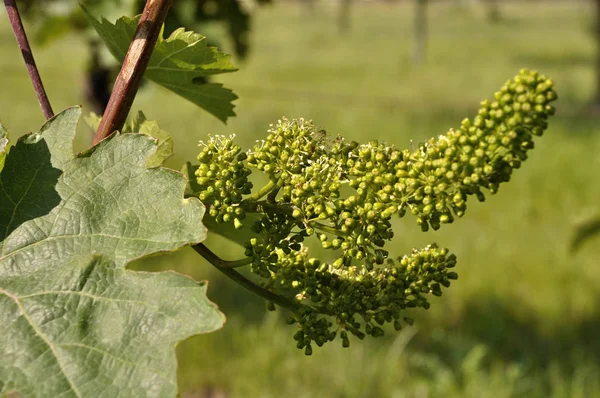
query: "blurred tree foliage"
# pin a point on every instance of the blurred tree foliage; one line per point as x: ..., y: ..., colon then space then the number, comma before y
x: 54, y: 18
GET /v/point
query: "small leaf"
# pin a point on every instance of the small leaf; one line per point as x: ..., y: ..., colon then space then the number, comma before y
x: 93, y: 120
x: 140, y: 125
x: 74, y: 322
x: 585, y: 231
x: 179, y: 63
x: 192, y: 188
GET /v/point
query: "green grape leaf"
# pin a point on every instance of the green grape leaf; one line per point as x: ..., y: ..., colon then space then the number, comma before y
x: 189, y: 170
x: 585, y: 231
x: 93, y: 120
x: 3, y: 145
x: 180, y: 63
x: 139, y: 124
x: 74, y: 322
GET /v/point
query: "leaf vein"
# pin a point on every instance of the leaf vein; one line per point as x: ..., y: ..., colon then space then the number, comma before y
x: 43, y: 337
x: 135, y: 364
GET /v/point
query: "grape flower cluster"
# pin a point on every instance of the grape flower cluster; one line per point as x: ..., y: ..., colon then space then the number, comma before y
x: 363, y: 287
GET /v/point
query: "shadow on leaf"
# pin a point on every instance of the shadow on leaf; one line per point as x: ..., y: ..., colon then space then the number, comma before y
x: 27, y: 184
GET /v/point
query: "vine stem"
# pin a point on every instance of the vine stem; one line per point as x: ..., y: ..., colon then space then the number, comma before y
x: 34, y: 75
x: 245, y: 282
x: 133, y: 68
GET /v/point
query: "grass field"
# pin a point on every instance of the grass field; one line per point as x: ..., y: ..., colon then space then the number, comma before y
x: 523, y: 319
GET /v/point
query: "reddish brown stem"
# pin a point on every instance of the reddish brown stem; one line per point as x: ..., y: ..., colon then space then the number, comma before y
x: 34, y: 75
x: 134, y: 66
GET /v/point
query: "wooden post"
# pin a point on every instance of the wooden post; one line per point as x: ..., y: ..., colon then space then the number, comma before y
x: 344, y: 16
x: 420, y: 32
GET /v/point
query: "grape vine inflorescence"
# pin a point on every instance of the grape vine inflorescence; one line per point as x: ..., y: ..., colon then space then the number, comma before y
x: 364, y: 288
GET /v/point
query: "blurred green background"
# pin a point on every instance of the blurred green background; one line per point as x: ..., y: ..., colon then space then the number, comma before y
x: 523, y: 319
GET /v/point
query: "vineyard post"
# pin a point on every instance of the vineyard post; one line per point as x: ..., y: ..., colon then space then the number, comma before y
x: 420, y: 32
